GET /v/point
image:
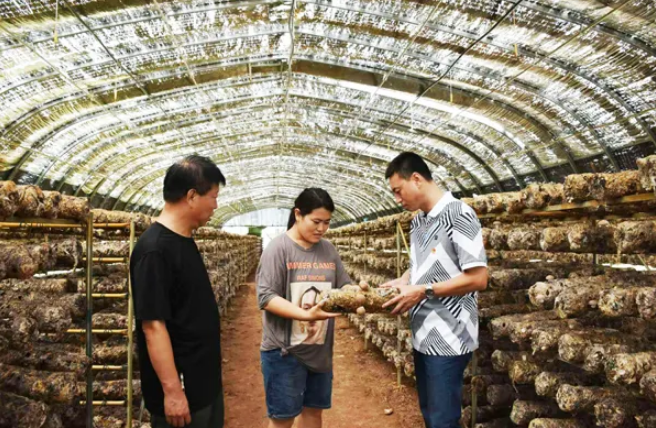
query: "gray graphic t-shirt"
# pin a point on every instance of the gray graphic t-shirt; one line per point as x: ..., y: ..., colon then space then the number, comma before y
x: 299, y: 275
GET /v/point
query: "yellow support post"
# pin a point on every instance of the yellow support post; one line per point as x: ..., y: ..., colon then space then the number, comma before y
x: 130, y: 335
x: 366, y: 249
x: 474, y: 405
x: 399, y: 320
x: 89, y: 325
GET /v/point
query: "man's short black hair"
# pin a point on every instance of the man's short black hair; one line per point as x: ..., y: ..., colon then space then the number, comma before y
x: 406, y: 164
x: 193, y: 172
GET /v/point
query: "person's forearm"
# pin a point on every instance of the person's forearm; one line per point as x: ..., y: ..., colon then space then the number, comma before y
x: 160, y: 351
x: 285, y: 309
x: 472, y: 280
x: 406, y: 277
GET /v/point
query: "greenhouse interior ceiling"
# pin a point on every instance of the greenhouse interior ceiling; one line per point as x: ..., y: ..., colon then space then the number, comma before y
x: 99, y: 97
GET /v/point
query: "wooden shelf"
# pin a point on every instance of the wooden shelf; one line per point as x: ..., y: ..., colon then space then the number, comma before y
x: 111, y: 225
x: 105, y: 403
x: 560, y: 209
x: 14, y: 223
x: 108, y: 259
x: 97, y: 331
x: 17, y: 222
x: 109, y: 295
x: 108, y: 367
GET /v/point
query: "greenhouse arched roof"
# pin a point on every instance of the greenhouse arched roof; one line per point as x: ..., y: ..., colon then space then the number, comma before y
x: 99, y: 97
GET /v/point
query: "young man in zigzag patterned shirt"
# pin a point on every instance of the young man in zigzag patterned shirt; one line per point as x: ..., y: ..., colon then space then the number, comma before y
x: 448, y: 267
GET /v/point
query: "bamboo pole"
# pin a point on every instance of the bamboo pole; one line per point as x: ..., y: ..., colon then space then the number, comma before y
x: 13, y: 223
x: 366, y: 248
x: 474, y: 404
x: 348, y: 319
x: 103, y: 403
x: 130, y: 335
x: 89, y: 324
x: 39, y: 225
x: 405, y: 242
x: 108, y: 368
x: 109, y: 295
x: 107, y: 259
x: 399, y: 321
x: 96, y: 331
x: 227, y: 305
x: 112, y: 225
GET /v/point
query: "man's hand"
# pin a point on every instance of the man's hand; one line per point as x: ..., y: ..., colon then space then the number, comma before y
x: 317, y: 313
x: 176, y: 408
x: 409, y: 295
x: 395, y: 283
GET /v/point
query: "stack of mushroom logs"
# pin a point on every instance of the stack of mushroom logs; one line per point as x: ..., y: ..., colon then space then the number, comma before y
x: 372, y: 256
x: 229, y: 259
x: 567, y: 330
x: 38, y: 378
x: 43, y: 364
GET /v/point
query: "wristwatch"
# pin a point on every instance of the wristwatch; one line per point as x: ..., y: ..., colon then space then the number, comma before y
x: 429, y: 291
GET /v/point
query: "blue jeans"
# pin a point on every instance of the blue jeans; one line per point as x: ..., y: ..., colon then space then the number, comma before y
x: 289, y: 386
x: 439, y: 385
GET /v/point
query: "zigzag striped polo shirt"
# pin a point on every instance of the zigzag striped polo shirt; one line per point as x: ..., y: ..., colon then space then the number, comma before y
x: 444, y: 243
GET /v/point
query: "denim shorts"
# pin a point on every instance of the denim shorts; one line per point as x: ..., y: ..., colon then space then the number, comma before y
x: 289, y: 386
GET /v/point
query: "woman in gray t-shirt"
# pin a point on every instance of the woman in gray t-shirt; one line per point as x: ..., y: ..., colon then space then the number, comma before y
x: 297, y: 336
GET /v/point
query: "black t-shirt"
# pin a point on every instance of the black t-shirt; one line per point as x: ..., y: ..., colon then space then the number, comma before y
x: 170, y: 283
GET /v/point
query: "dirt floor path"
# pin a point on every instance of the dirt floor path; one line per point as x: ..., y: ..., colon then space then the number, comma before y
x: 364, y: 384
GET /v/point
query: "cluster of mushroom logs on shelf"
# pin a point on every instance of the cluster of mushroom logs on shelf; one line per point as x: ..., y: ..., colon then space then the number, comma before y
x: 568, y: 320
x: 567, y: 323
x: 45, y: 369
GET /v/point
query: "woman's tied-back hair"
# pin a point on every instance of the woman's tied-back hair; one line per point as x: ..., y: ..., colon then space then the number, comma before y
x: 308, y: 201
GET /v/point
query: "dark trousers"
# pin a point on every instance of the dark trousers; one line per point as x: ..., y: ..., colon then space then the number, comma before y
x: 439, y: 385
x: 207, y: 417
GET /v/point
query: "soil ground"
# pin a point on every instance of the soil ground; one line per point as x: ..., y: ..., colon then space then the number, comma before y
x: 364, y: 382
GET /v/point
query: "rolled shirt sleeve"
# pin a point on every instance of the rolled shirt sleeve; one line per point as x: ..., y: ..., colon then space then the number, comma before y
x: 270, y: 276
x: 467, y: 238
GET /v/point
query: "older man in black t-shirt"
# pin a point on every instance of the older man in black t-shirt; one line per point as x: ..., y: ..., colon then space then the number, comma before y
x: 178, y: 325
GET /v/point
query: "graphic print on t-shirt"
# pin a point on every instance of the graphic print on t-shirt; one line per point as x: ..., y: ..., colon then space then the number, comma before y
x: 306, y: 295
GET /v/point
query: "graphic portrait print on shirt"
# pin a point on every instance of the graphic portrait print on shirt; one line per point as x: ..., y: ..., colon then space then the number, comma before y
x: 307, y: 295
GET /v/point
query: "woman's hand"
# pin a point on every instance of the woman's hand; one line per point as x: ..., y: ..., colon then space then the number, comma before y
x: 316, y: 313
